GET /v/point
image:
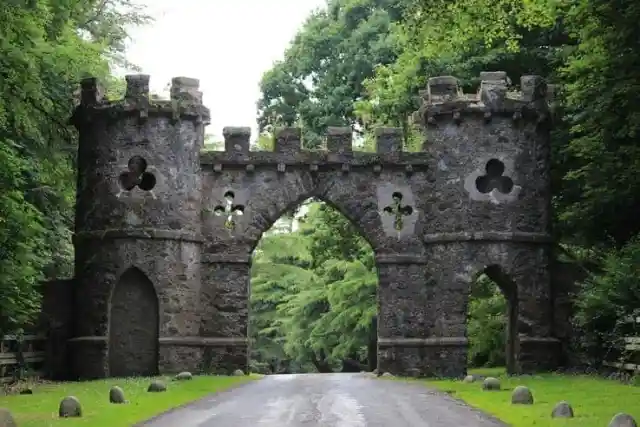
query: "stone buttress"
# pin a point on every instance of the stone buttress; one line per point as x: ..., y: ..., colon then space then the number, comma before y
x: 138, y: 230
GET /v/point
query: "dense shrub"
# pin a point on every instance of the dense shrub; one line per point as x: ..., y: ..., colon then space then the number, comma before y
x: 606, y: 300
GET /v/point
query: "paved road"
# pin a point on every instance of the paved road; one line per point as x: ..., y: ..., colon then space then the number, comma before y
x: 326, y: 400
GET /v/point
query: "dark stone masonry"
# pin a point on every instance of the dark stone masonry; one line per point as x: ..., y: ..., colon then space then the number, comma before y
x: 165, y: 231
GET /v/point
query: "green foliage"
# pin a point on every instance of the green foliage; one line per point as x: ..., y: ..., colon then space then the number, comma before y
x: 607, y: 300
x: 486, y: 325
x: 325, y: 66
x: 313, y: 294
x: 46, y: 47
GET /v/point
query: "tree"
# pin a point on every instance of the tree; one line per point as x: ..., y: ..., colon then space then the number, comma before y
x: 324, y: 68
x: 43, y: 56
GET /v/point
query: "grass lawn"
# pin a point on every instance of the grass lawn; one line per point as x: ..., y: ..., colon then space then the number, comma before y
x: 41, y: 408
x: 595, y: 401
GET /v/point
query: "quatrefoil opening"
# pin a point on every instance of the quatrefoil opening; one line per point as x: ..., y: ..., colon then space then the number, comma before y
x: 494, y: 179
x: 229, y: 209
x: 398, y: 210
x: 137, y: 175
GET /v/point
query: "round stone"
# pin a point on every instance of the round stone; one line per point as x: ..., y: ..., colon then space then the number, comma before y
x: 184, y: 376
x: 562, y: 410
x: 469, y: 379
x: 623, y: 420
x: 238, y: 372
x: 521, y: 395
x: 116, y: 395
x: 70, y: 407
x: 387, y: 374
x: 6, y: 419
x: 491, y: 384
x: 157, y: 387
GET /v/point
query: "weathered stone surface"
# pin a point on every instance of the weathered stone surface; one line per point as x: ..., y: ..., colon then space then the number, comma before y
x: 6, y: 418
x: 521, y: 395
x: 623, y: 420
x: 116, y: 395
x: 562, y: 410
x: 157, y: 387
x: 184, y: 376
x: 238, y: 373
x: 491, y: 384
x: 174, y: 228
x: 70, y: 407
x: 469, y: 379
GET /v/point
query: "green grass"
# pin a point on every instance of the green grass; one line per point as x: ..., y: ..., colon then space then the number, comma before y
x: 594, y: 400
x: 41, y: 408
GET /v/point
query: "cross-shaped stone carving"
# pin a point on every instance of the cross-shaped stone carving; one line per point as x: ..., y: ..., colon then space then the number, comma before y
x: 137, y: 175
x: 230, y: 210
x: 493, y: 179
x: 398, y: 210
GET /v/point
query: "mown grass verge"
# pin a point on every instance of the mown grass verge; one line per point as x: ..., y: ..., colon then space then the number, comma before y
x: 41, y: 408
x: 594, y: 400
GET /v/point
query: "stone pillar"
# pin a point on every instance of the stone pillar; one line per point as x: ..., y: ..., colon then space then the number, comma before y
x: 407, y: 344
x: 224, y: 305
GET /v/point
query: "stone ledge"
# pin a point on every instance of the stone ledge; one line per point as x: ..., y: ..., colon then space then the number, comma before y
x: 89, y: 339
x: 423, y: 342
x: 401, y: 259
x: 204, y: 341
x: 538, y: 340
x: 225, y: 258
x: 325, y: 161
x: 176, y: 341
x: 488, y: 236
x: 138, y: 233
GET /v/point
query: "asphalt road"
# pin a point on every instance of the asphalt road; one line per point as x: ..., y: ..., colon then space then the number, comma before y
x: 326, y: 400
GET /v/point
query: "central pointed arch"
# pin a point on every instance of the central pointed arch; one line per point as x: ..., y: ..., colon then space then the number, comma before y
x: 316, y: 288
x: 267, y: 219
x: 133, y: 326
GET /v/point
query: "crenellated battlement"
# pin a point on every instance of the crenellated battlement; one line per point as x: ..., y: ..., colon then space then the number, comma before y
x: 185, y: 101
x: 288, y: 151
x: 495, y: 97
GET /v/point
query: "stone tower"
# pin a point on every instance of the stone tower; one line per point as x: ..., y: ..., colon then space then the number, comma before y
x: 138, y: 230
x: 165, y: 233
x: 490, y: 211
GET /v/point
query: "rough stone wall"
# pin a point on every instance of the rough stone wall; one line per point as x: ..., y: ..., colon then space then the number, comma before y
x: 56, y: 321
x: 477, y: 196
x: 138, y: 205
x: 264, y: 185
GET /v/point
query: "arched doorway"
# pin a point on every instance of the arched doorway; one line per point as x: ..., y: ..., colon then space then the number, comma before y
x: 492, y: 315
x: 313, y: 294
x: 133, y: 326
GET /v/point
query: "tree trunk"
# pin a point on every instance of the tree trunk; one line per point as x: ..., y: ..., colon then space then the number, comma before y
x: 321, y: 363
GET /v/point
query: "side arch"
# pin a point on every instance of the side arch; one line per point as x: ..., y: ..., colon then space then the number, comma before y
x: 509, y: 290
x: 133, y: 326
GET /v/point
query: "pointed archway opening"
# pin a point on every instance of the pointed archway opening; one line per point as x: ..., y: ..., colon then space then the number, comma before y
x: 133, y: 326
x: 492, y: 321
x: 313, y: 295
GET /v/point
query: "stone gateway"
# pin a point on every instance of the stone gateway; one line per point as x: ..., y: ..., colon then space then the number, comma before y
x: 165, y: 231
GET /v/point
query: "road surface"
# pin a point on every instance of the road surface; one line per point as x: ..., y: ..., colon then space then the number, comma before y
x: 325, y: 400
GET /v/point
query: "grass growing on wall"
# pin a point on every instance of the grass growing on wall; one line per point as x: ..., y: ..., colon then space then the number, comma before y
x: 594, y: 400
x: 41, y: 408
